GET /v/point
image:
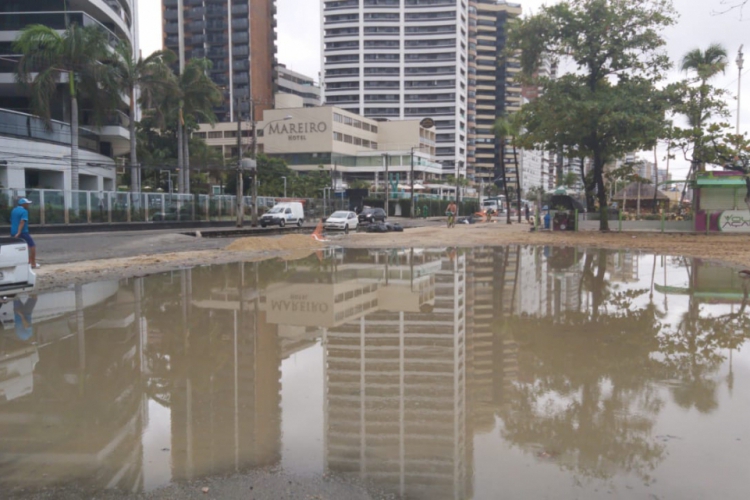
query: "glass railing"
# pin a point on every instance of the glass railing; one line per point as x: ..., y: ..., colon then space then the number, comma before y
x: 16, y: 124
x: 16, y: 21
x: 52, y: 207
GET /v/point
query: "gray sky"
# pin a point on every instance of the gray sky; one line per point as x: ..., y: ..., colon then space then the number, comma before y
x: 698, y: 26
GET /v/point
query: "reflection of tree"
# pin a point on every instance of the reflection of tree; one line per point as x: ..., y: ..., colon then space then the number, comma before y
x: 694, y: 352
x: 592, y: 377
x: 591, y: 405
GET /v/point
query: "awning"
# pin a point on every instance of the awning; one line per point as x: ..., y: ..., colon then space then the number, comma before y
x: 727, y: 182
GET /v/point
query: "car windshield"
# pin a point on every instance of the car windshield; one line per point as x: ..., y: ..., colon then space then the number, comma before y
x: 276, y: 210
x: 339, y: 215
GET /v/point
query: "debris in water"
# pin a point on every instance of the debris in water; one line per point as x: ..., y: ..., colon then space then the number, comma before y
x: 205, y: 490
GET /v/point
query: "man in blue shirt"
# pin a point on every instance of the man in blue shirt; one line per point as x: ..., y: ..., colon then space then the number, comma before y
x: 19, y: 227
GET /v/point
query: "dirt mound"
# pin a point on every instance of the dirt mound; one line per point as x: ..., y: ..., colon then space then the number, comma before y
x: 286, y: 242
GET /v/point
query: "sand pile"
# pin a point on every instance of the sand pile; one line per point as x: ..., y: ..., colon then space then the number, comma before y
x: 286, y: 242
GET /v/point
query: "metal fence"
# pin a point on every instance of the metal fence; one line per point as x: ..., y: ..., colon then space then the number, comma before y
x: 55, y: 207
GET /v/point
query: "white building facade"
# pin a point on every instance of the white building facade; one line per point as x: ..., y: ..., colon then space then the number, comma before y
x: 400, y: 59
x: 34, y: 155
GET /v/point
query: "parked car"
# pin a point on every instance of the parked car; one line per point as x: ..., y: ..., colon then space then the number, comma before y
x: 342, y: 220
x: 16, y: 275
x: 185, y: 213
x: 370, y: 215
x: 284, y: 213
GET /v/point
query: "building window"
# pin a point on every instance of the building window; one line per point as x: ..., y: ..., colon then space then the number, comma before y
x: 215, y: 135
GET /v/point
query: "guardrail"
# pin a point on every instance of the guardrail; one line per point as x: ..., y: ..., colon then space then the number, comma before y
x: 51, y: 207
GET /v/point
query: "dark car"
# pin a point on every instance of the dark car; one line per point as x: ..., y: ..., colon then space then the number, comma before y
x: 370, y: 215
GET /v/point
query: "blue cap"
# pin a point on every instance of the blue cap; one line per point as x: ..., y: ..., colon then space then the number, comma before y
x: 24, y: 201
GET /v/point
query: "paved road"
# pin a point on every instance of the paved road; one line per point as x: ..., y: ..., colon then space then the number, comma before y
x: 62, y: 248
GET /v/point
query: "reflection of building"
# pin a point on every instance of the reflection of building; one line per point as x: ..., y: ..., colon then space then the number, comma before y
x: 84, y: 414
x: 226, y: 389
x: 396, y: 394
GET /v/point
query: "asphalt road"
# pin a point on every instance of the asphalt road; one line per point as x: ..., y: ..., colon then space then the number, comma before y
x: 64, y: 248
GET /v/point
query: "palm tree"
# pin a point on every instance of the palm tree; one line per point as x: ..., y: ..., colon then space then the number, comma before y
x: 198, y: 95
x: 150, y: 77
x: 706, y: 65
x: 77, y: 53
x: 503, y: 128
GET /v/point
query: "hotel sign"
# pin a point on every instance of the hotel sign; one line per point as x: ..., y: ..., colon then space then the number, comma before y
x: 735, y: 221
x: 297, y: 131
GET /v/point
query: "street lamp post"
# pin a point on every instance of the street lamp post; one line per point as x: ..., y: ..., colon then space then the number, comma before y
x: 740, y: 62
x: 240, y: 166
x: 169, y: 178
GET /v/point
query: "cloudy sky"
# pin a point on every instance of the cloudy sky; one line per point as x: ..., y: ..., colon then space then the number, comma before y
x: 699, y: 25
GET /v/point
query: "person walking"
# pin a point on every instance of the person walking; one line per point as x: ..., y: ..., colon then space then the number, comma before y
x: 19, y: 228
x: 528, y: 212
x: 451, y: 213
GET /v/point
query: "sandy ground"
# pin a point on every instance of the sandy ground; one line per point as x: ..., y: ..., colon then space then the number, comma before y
x: 732, y: 249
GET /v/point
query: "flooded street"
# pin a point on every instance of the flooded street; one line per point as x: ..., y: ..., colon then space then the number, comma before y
x: 498, y: 372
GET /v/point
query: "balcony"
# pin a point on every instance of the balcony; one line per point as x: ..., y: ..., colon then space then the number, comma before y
x: 57, y: 21
x: 25, y: 126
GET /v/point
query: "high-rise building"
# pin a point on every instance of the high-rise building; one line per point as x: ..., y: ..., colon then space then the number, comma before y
x: 291, y: 82
x: 401, y: 59
x: 37, y: 155
x: 238, y: 37
x: 493, y: 91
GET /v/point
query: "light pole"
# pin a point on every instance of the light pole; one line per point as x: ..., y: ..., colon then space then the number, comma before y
x: 740, y: 61
x: 411, y: 179
x: 240, y: 166
x: 387, y: 183
x: 169, y: 178
x: 284, y: 177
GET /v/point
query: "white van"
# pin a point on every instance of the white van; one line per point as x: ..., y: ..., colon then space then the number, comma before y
x: 284, y: 213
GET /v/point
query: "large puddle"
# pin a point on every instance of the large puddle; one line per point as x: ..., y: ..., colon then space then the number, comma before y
x: 519, y: 372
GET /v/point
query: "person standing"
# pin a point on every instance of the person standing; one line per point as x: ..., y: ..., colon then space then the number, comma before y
x: 451, y: 213
x: 19, y: 228
x: 528, y: 212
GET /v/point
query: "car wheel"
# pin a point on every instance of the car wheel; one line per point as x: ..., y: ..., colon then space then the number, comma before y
x: 300, y: 222
x: 263, y: 225
x: 346, y: 229
x: 282, y: 223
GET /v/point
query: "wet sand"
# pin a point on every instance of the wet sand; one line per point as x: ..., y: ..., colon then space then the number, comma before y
x: 731, y: 249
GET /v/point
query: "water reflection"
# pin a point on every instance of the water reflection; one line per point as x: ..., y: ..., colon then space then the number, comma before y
x: 435, y: 363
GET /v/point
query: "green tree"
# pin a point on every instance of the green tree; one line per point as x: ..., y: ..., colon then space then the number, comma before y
x: 144, y: 78
x: 198, y: 95
x: 77, y: 53
x: 611, y: 104
x: 502, y: 130
x: 510, y: 126
x: 702, y: 105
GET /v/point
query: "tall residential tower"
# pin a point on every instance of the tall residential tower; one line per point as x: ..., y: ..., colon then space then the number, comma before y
x: 401, y: 59
x: 238, y: 37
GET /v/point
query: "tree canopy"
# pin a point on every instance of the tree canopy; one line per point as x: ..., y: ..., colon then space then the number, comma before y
x: 610, y: 104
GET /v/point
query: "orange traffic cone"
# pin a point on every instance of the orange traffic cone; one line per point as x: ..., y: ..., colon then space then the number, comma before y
x: 318, y: 233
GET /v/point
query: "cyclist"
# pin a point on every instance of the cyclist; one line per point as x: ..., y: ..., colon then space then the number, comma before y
x: 451, y: 213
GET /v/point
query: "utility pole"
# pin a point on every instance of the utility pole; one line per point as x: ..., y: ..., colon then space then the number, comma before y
x: 411, y: 181
x: 740, y: 62
x: 240, y: 182
x: 387, y: 183
x: 255, y: 158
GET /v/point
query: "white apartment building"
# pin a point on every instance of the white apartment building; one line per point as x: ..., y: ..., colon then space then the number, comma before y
x: 35, y: 155
x: 400, y: 59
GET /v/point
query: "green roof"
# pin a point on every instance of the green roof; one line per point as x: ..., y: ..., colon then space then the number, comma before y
x: 721, y: 181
